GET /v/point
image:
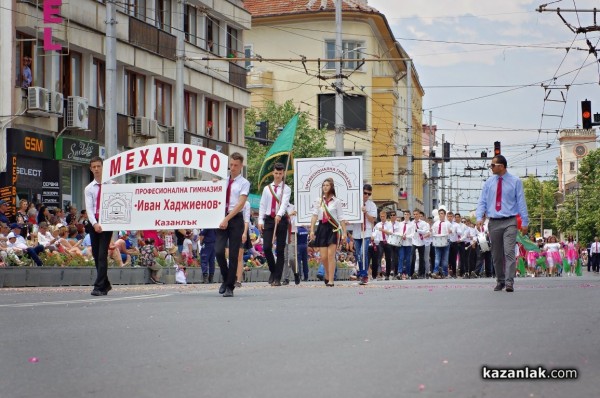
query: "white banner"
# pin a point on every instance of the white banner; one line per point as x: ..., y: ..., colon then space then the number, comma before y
x: 347, y: 174
x: 172, y: 205
x: 165, y: 155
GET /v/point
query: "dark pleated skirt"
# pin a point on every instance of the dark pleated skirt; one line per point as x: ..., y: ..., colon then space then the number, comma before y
x: 325, y: 235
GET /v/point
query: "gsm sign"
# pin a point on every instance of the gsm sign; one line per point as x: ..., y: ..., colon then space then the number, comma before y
x: 34, y: 144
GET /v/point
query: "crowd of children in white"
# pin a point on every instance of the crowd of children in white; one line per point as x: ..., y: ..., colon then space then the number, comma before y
x: 38, y: 233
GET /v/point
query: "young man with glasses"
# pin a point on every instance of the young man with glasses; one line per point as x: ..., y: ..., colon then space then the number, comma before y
x: 502, y: 198
x: 362, y: 234
x: 392, y: 226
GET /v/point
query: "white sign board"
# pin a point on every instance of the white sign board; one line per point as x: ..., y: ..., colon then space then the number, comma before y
x: 547, y: 233
x: 347, y: 174
x: 174, y: 205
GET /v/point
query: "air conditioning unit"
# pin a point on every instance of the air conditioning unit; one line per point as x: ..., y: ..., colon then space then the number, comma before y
x: 145, y: 127
x: 38, y: 101
x: 77, y: 113
x: 170, y: 134
x: 56, y: 103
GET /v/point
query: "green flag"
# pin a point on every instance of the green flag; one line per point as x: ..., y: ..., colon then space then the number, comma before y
x: 521, y: 267
x: 527, y: 244
x: 541, y: 262
x: 280, y: 151
x: 578, y: 268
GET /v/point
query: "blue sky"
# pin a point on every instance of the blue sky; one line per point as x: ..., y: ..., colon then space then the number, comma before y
x: 482, y: 64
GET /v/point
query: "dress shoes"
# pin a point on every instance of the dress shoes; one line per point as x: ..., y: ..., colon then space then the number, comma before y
x: 228, y: 293
x: 499, y: 286
x: 97, y: 292
x: 277, y: 283
x: 222, y: 288
x: 285, y: 282
x: 510, y: 288
x: 297, y: 279
x: 271, y: 278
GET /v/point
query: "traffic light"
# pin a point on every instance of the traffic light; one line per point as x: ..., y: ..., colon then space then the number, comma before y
x: 262, y: 129
x: 586, y: 114
x: 497, y: 148
x: 446, y: 152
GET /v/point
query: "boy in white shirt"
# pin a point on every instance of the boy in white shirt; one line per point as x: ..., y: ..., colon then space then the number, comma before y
x: 441, y: 229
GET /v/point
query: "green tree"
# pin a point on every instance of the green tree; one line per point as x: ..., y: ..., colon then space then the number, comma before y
x: 579, y: 212
x: 539, y: 196
x: 309, y: 142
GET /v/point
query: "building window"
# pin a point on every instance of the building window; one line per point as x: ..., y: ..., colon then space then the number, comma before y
x: 232, y: 124
x: 355, y: 111
x: 571, y: 166
x: 98, y: 83
x: 24, y: 67
x: 212, y: 119
x: 350, y: 50
x: 134, y: 91
x: 71, y: 74
x: 248, y: 53
x: 135, y: 8
x: 163, y: 15
x: 135, y: 179
x: 163, y: 103
x: 189, y: 113
x: 212, y: 35
x: 189, y: 24
x: 232, y: 42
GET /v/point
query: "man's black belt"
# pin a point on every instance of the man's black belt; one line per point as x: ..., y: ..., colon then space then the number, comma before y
x: 501, y: 218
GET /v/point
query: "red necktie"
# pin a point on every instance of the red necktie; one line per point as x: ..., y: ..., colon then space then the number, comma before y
x: 227, y: 195
x: 382, y: 232
x: 404, y: 230
x: 273, y: 203
x: 440, y: 228
x: 98, y: 202
x: 499, y: 195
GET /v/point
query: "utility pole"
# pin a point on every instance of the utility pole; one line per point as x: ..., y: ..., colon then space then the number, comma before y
x: 542, y: 209
x: 339, y: 83
x: 110, y: 105
x: 429, y: 207
x: 409, y: 148
x: 443, y: 172
x: 180, y: 58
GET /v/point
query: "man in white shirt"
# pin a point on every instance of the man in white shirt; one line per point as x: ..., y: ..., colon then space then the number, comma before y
x: 594, y: 255
x: 231, y: 227
x: 421, y: 233
x: 391, y: 227
x: 273, y: 220
x: 453, y: 250
x: 383, y: 249
x: 361, y: 232
x: 407, y: 230
x: 441, y: 229
x: 460, y: 232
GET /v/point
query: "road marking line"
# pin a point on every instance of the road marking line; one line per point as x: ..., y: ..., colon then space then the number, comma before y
x: 93, y: 300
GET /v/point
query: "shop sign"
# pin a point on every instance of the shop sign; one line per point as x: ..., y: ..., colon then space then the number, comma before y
x: 26, y: 143
x: 74, y: 150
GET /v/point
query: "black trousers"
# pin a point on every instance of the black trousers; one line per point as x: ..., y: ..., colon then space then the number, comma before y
x: 275, y: 266
x: 100, y: 243
x: 232, y: 234
x: 421, y: 250
x: 373, y: 254
x: 462, y: 257
x: 484, y: 262
x: 595, y: 260
x: 452, y: 257
x: 471, y: 257
x: 393, y: 264
x: 383, y: 249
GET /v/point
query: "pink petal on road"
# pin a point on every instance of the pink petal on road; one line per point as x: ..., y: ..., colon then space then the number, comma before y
x: 421, y: 387
x: 34, y: 360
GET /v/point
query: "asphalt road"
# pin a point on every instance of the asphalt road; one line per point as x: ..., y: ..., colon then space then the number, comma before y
x: 387, y: 339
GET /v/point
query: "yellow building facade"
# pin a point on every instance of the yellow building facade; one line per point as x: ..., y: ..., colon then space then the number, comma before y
x: 376, y: 110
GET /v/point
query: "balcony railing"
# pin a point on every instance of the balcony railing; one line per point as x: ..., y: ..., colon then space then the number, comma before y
x: 237, y: 75
x: 151, y: 38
